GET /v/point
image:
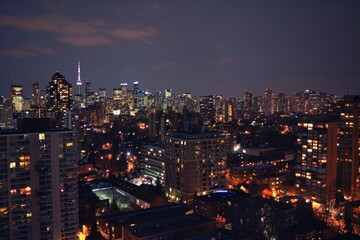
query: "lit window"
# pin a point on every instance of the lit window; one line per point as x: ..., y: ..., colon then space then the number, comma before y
x: 12, y: 164
x: 69, y: 144
x: 41, y: 136
x: 26, y: 191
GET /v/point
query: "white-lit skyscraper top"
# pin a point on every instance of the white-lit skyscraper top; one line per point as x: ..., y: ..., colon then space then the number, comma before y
x: 78, y: 81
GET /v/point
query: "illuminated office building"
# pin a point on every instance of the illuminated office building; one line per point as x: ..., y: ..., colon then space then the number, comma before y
x: 17, y: 97
x: 168, y: 93
x: 59, y: 100
x: 6, y: 112
x: 38, y: 182
x: 88, y: 88
x: 102, y: 93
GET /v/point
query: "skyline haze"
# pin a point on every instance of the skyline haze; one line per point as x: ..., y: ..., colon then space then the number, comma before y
x: 203, y: 47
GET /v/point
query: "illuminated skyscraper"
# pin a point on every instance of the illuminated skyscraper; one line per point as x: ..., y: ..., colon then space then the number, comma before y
x: 230, y: 110
x: 248, y: 104
x: 36, y: 94
x: 269, y: 102
x: 283, y: 103
x: 88, y: 88
x: 258, y: 103
x: 152, y: 117
x: 208, y: 109
x: 6, y: 112
x: 315, y: 170
x: 17, y: 97
x: 102, y: 93
x: 168, y: 93
x: 59, y: 99
x: 348, y: 177
x: 38, y: 182
x: 136, y: 88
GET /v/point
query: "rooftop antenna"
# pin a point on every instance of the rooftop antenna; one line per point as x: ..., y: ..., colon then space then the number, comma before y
x: 78, y: 81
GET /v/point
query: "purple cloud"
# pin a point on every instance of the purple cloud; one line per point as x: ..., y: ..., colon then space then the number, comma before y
x: 18, y: 53
x: 135, y: 33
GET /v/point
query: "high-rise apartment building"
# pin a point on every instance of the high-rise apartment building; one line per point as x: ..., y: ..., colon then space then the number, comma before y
x: 153, y: 163
x: 258, y: 104
x: 315, y: 102
x: 59, y: 100
x: 38, y: 182
x: 283, y: 103
x: 230, y: 110
x: 315, y: 170
x: 6, y: 112
x: 208, y: 109
x: 219, y: 108
x: 248, y: 104
x: 269, y: 102
x: 194, y: 163
x: 348, y: 177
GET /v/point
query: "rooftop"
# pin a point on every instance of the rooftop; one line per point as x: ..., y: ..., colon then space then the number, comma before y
x: 195, y: 136
x: 172, y: 224
x: 143, y: 215
x: 145, y: 193
x: 220, y: 195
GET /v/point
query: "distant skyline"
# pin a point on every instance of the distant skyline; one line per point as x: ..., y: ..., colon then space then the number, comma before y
x: 203, y: 47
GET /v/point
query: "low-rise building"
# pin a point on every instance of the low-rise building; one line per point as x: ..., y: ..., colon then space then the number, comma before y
x: 172, y: 221
x: 241, y: 212
x: 144, y: 196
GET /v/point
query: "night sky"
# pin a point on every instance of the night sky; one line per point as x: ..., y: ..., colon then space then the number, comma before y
x: 203, y: 47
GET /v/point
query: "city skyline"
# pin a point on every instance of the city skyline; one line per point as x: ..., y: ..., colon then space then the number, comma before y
x: 202, y: 48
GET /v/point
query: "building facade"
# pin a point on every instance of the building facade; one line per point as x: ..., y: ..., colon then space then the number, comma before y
x: 208, y: 109
x: 38, y: 184
x: 348, y: 178
x: 153, y: 163
x: 194, y: 163
x: 315, y: 172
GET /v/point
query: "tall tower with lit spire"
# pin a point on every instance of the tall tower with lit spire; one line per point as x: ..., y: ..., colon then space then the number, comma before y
x: 78, y: 81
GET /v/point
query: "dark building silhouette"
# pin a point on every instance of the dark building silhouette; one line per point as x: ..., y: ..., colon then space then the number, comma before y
x: 59, y: 100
